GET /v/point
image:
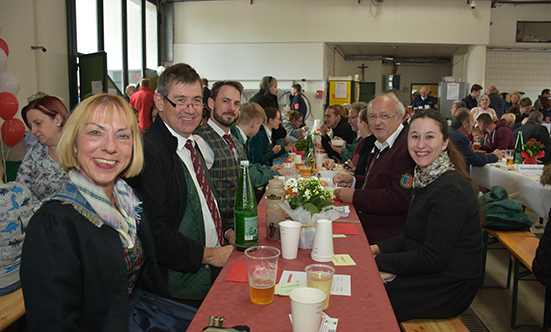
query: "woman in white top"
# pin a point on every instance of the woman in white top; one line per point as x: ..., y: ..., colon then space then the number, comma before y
x: 484, y: 108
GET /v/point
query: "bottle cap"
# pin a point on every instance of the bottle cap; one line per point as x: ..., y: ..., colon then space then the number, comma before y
x: 244, y: 163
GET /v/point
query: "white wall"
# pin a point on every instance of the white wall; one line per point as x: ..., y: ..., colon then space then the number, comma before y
x: 35, y: 22
x: 504, y: 24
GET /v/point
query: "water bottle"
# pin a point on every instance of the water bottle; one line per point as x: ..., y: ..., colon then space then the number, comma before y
x: 245, y: 211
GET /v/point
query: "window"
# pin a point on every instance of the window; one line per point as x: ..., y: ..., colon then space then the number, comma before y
x: 533, y: 32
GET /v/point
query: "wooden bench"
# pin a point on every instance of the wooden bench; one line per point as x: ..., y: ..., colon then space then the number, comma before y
x: 491, y: 237
x: 523, y: 250
x: 12, y: 307
x: 433, y: 325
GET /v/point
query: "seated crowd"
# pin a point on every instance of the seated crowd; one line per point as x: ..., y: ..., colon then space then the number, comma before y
x: 130, y: 226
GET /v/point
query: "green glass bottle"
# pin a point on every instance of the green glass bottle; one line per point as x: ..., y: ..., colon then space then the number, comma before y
x: 310, y: 152
x: 519, y: 146
x: 245, y: 212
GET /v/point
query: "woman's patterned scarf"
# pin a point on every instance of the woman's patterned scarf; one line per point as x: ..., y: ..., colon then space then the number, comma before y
x: 441, y: 165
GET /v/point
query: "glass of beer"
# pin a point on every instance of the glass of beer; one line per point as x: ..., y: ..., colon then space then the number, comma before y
x: 262, y: 270
x: 509, y: 153
x: 320, y: 276
x: 476, y: 144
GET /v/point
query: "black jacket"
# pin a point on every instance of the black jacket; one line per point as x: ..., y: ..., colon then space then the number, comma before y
x: 342, y: 130
x: 269, y: 100
x: 542, y: 262
x: 533, y: 130
x: 73, y: 273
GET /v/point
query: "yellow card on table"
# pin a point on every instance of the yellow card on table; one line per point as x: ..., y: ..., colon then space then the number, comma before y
x: 285, y: 289
x: 345, y: 259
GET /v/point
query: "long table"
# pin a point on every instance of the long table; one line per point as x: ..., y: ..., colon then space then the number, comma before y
x: 533, y: 194
x: 368, y: 309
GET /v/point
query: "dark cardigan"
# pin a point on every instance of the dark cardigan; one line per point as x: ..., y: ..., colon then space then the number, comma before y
x: 162, y: 185
x: 443, y: 233
x: 73, y: 273
x: 383, y: 205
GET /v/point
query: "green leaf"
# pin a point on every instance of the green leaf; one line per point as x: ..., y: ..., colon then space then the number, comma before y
x: 311, y: 208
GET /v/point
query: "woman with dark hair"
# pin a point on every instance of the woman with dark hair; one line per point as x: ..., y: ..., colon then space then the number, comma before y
x: 545, y: 108
x: 262, y: 147
x: 292, y: 124
x: 39, y: 170
x: 363, y: 149
x: 437, y: 259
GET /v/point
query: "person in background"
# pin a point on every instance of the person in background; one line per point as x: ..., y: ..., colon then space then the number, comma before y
x: 206, y: 91
x: 395, y: 91
x: 533, y: 129
x: 544, y: 93
x: 293, y: 124
x: 39, y: 170
x: 512, y: 99
x: 262, y: 148
x: 297, y: 103
x: 545, y: 108
x: 188, y: 231
x: 336, y: 119
x: 129, y: 91
x: 496, y: 102
x: 154, y: 111
x: 364, y: 148
x: 143, y: 100
x: 205, y: 115
x: 267, y: 97
x: 483, y: 109
x: 457, y: 105
x: 89, y: 249
x: 347, y: 150
x: 510, y: 117
x: 515, y: 110
x: 424, y: 100
x: 498, y: 134
x: 471, y: 101
x: 382, y: 196
x: 437, y: 259
x: 462, y: 125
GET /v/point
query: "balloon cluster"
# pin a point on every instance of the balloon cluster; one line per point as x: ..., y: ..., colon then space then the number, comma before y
x: 12, y: 129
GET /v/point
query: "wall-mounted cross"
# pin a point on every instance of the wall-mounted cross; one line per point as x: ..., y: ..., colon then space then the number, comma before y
x: 362, y: 67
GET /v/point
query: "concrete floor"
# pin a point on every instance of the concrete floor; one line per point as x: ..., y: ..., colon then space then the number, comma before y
x: 493, y: 305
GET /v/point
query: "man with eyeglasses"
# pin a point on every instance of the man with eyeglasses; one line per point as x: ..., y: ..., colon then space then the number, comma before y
x: 189, y: 232
x: 349, y: 153
x: 382, y: 196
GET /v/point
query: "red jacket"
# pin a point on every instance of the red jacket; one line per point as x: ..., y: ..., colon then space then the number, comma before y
x: 384, y: 203
x: 501, y: 138
x: 142, y: 101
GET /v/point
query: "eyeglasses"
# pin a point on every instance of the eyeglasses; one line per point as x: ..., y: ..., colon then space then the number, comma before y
x: 383, y: 117
x: 197, y: 103
x: 352, y: 117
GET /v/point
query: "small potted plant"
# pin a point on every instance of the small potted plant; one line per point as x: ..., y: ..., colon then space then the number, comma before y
x: 532, y: 151
x: 301, y: 145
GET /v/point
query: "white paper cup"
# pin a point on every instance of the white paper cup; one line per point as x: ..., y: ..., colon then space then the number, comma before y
x: 290, y: 237
x: 323, y: 241
x: 306, y: 308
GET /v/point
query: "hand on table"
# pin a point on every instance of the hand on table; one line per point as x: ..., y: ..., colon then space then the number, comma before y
x: 500, y: 154
x: 230, y: 236
x: 217, y: 256
x: 375, y: 249
x: 277, y: 167
x: 343, y: 180
x: 345, y: 194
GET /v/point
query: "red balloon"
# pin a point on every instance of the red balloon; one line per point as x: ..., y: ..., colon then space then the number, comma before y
x: 4, y: 46
x: 8, y: 105
x: 12, y: 131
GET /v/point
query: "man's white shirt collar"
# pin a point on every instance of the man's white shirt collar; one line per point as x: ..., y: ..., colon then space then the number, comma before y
x: 217, y: 128
x: 181, y: 140
x: 390, y: 140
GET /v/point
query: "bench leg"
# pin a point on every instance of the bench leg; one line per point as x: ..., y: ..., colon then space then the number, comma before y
x: 515, y: 294
x: 547, y: 309
x: 509, y: 271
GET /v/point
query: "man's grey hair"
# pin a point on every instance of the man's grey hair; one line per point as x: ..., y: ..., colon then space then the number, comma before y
x: 536, y: 116
x: 459, y: 104
x: 398, y: 106
x: 461, y: 115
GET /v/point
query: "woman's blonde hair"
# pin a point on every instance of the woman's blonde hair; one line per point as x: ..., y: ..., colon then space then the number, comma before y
x: 510, y: 117
x: 514, y: 93
x: 82, y: 114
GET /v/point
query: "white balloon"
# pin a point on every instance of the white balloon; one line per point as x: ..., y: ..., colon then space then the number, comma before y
x: 9, y: 82
x: 160, y: 70
x: 3, y: 60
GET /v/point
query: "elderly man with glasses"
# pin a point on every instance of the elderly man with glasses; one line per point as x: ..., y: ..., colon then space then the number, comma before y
x: 382, y: 196
x: 189, y: 232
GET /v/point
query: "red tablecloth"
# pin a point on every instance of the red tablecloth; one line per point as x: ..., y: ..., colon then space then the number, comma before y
x: 368, y: 309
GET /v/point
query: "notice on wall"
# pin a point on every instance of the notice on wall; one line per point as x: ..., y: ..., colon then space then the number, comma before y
x: 97, y: 87
x: 453, y: 91
x: 340, y: 89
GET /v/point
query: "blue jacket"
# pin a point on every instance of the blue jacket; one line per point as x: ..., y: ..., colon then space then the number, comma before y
x: 463, y: 145
x: 430, y: 100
